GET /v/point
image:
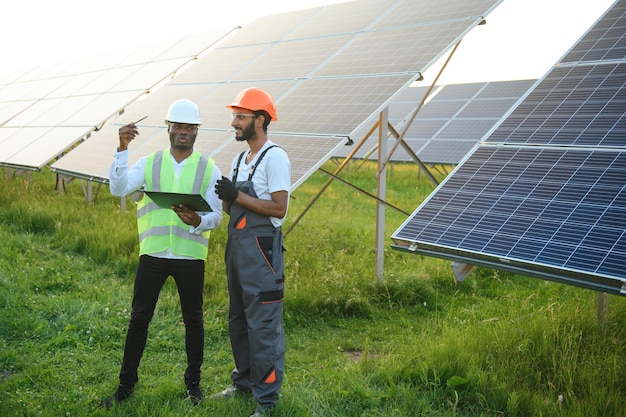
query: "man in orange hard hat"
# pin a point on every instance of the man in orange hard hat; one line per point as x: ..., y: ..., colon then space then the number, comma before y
x: 256, y: 197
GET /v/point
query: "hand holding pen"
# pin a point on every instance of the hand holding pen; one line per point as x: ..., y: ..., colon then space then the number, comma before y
x: 127, y: 133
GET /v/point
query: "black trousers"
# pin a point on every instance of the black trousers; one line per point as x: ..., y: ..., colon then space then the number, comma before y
x: 149, y: 279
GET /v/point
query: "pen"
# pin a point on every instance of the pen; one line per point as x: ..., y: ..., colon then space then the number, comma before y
x: 143, y: 118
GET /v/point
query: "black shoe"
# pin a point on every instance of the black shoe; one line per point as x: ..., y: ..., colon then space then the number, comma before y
x: 121, y: 394
x: 194, y: 393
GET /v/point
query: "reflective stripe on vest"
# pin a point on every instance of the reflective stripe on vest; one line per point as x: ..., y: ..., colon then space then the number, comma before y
x: 160, y: 229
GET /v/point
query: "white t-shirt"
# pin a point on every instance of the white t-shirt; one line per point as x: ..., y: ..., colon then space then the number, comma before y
x: 273, y: 174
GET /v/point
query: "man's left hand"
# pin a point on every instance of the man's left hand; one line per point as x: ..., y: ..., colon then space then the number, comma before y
x: 226, y: 190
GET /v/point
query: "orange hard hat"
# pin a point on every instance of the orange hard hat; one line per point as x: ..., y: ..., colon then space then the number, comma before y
x: 255, y: 99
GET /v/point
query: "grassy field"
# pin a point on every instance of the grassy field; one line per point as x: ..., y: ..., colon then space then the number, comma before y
x: 416, y: 343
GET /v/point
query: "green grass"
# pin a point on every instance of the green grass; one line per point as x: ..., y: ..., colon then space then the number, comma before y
x: 416, y: 343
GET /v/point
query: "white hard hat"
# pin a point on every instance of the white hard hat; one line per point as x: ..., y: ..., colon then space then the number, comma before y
x: 184, y: 111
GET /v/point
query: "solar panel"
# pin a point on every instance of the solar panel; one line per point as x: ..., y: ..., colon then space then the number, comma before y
x: 425, y: 11
x: 47, y: 110
x: 269, y: 29
x: 292, y: 60
x: 223, y: 64
x: 605, y: 41
x: 345, y: 18
x: 451, y: 123
x: 554, y: 210
x: 580, y: 105
x: 395, y: 50
x: 337, y: 106
x: 25, y: 147
x: 448, y: 151
x: 328, y: 68
x: 545, y: 194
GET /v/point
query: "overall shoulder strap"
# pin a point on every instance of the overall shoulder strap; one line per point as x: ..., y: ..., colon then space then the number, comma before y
x: 236, y: 171
x: 258, y: 161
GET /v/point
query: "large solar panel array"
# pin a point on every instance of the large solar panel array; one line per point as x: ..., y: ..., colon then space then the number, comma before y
x: 328, y: 68
x: 545, y: 194
x: 450, y: 124
x: 46, y: 110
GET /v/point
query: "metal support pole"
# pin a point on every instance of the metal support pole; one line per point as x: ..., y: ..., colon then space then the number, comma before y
x: 381, y: 192
x: 89, y: 192
x: 603, y: 307
x: 359, y: 189
x: 327, y: 183
x: 59, y: 184
x: 400, y: 136
x: 408, y: 149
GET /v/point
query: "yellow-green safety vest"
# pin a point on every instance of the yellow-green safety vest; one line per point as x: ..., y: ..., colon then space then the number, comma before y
x: 160, y: 229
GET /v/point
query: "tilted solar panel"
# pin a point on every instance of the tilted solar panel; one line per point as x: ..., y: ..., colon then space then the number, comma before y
x: 46, y: 111
x: 580, y: 105
x: 549, y: 209
x: 394, y: 50
x: 605, y: 41
x: 329, y: 69
x: 451, y: 123
x: 341, y: 18
x: 425, y: 11
x: 545, y: 195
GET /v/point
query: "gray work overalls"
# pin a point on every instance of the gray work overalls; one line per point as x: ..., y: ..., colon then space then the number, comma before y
x: 254, y: 266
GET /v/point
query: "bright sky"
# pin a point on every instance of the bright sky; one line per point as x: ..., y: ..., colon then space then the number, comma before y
x: 522, y: 38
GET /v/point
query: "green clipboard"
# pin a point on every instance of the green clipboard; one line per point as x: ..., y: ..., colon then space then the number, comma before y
x: 166, y: 200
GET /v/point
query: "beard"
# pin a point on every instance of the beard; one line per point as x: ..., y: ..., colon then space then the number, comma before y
x: 246, y: 133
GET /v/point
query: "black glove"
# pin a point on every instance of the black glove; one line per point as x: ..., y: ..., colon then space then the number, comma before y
x: 225, y: 190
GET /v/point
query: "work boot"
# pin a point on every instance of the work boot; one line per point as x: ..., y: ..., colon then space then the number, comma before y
x: 194, y: 392
x: 121, y: 394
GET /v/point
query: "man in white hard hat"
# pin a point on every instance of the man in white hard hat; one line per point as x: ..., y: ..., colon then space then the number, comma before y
x: 172, y: 241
